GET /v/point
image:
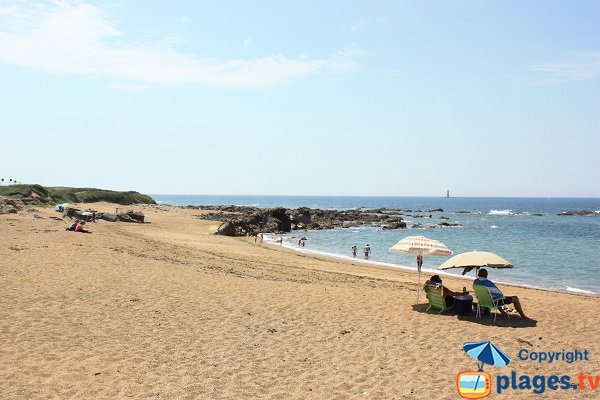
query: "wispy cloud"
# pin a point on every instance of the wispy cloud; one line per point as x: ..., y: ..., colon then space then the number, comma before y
x: 248, y: 42
x: 578, y: 66
x: 185, y: 19
x: 354, y: 27
x: 65, y: 38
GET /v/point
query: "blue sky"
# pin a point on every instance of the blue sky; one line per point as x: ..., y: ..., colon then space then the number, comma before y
x: 303, y: 97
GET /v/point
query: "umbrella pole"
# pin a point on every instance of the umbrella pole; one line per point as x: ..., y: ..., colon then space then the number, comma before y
x: 418, y: 279
x: 418, y: 286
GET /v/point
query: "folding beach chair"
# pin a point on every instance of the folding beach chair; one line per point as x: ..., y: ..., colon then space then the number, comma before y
x: 485, y: 300
x: 435, y: 296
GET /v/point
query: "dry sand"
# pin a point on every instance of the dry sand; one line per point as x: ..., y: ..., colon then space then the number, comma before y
x: 165, y: 310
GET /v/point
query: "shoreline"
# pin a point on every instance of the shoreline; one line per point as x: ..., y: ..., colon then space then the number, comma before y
x: 477, y: 229
x: 425, y: 271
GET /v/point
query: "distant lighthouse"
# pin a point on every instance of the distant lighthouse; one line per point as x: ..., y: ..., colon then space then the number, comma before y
x: 447, y: 192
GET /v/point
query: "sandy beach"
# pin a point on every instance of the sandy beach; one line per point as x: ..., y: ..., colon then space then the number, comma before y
x: 165, y: 310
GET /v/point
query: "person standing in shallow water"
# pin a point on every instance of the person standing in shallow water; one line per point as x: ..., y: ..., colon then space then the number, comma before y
x: 367, y: 250
x: 354, y: 250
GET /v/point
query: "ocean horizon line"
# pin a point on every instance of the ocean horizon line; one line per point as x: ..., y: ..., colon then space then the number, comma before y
x: 376, y: 196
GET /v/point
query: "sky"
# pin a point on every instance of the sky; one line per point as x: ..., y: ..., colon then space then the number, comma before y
x: 381, y: 98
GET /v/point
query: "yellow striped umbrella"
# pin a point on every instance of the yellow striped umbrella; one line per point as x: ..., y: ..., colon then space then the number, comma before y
x: 421, y: 245
x: 476, y: 259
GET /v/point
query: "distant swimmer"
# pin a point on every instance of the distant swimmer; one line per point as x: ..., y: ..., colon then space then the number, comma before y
x: 367, y: 250
x: 354, y: 250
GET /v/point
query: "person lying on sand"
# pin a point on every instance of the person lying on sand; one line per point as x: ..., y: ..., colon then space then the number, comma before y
x: 77, y: 226
x: 496, y: 293
x: 436, y: 281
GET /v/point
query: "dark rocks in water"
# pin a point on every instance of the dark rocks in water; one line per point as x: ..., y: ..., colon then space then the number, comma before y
x: 414, y: 226
x: 395, y: 225
x: 463, y: 212
x: 537, y: 215
x: 442, y: 217
x: 245, y: 221
x: 448, y: 224
x: 398, y: 211
x: 580, y: 212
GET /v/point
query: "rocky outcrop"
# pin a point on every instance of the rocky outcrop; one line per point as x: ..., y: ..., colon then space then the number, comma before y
x: 250, y: 221
x: 395, y: 225
x: 129, y: 216
x: 10, y: 206
x: 244, y: 221
x: 448, y: 224
x: 580, y: 212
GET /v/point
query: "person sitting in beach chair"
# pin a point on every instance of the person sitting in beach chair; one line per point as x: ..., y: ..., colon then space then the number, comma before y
x: 436, y: 282
x: 497, y: 297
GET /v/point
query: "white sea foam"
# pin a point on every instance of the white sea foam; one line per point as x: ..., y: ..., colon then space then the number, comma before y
x: 577, y: 290
x: 501, y: 212
x: 274, y: 239
x: 494, y: 227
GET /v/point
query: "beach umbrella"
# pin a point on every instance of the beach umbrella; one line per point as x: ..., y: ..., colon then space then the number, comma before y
x: 476, y: 259
x: 421, y: 245
x: 486, y: 353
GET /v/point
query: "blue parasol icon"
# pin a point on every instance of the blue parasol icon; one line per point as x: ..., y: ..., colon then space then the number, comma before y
x: 486, y: 353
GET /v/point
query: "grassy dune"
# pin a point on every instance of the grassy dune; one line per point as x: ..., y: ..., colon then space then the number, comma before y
x: 51, y: 195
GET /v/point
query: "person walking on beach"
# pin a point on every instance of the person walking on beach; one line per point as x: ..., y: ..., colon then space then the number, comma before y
x: 419, y: 261
x: 354, y: 249
x: 261, y: 237
x: 367, y: 251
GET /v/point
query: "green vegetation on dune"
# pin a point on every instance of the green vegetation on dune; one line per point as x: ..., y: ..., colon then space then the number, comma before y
x: 51, y: 195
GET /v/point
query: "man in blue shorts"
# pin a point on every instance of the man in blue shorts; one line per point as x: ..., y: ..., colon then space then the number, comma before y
x: 496, y: 293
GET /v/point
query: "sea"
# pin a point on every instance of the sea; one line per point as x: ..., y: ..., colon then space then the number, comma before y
x: 549, y: 251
